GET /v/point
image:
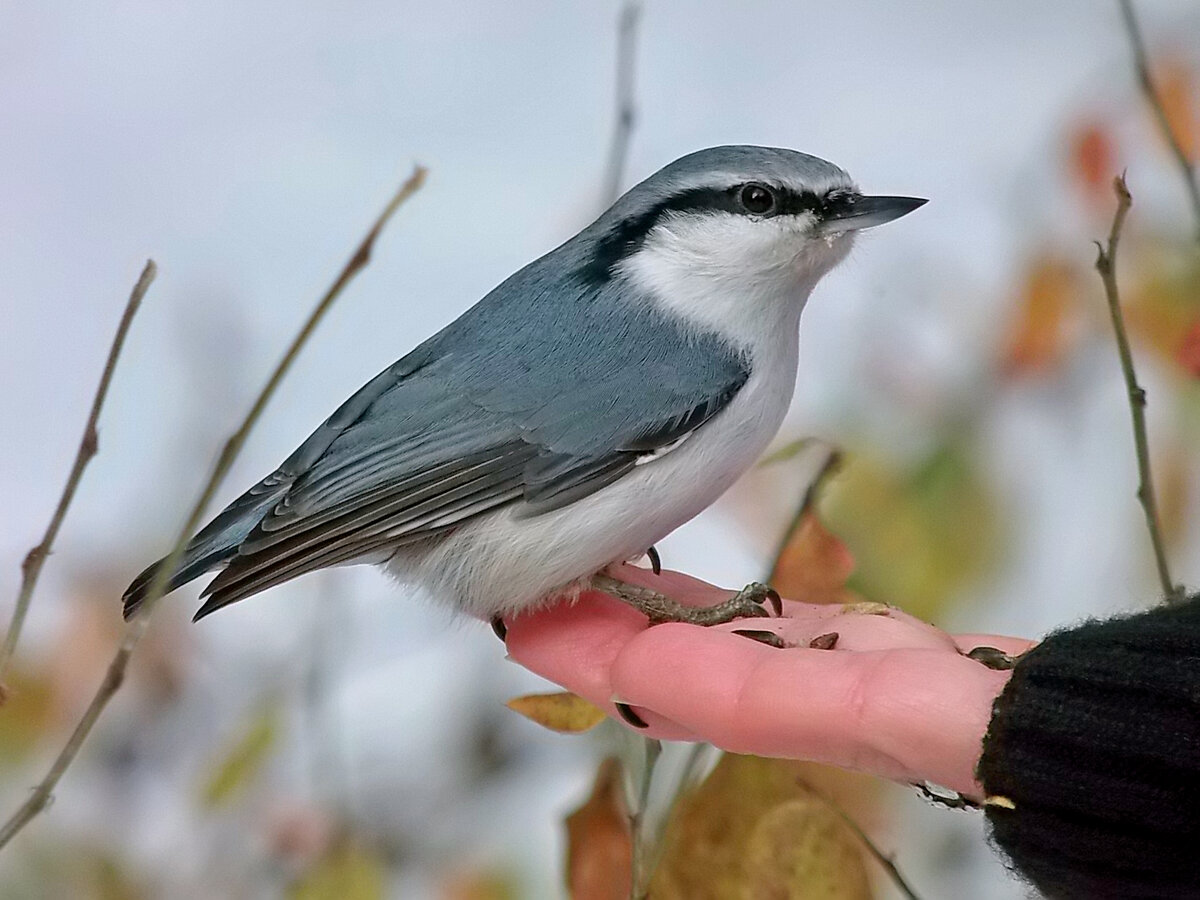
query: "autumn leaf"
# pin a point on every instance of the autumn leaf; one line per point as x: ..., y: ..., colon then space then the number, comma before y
x: 1174, y: 84
x: 561, y: 711
x: 599, y: 849
x: 919, y: 532
x: 1039, y: 335
x: 813, y: 564
x: 1093, y: 159
x: 244, y: 758
x: 347, y: 872
x: 750, y: 830
x: 486, y: 885
x: 1189, y: 350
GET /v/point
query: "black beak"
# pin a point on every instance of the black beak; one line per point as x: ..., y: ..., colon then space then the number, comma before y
x: 854, y: 212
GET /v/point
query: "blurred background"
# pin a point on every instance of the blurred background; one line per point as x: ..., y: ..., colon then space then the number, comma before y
x: 338, y: 731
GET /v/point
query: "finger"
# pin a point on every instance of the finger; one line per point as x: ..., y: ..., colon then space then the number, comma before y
x: 802, y: 623
x: 574, y: 645
x: 905, y: 714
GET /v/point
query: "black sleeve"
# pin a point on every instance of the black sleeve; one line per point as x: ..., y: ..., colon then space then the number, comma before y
x: 1092, y: 759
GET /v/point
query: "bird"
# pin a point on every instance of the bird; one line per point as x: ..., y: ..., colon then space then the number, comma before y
x: 586, y: 407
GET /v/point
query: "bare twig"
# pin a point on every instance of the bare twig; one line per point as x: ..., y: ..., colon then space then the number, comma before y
x: 115, y: 674
x: 812, y: 494
x: 31, y: 568
x: 1142, y: 65
x: 882, y: 858
x: 627, y: 29
x: 643, y: 853
x: 1106, y: 265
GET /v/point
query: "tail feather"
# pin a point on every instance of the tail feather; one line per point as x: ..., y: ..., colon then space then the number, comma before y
x: 216, y: 543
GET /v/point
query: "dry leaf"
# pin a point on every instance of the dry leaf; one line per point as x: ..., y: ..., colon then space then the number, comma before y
x: 1093, y: 159
x: 562, y: 711
x: 599, y: 851
x: 1174, y: 83
x: 1039, y: 336
x: 750, y: 831
x: 479, y: 886
x: 1189, y: 350
x: 813, y: 565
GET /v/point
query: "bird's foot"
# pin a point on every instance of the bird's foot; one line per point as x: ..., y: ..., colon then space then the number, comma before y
x: 749, y: 602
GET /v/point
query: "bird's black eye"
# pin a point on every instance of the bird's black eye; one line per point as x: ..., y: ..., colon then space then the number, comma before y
x: 757, y: 199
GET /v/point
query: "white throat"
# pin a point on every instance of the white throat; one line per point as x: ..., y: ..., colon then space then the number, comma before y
x: 745, y: 279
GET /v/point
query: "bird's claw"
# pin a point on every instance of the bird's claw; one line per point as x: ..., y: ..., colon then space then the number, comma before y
x: 755, y: 596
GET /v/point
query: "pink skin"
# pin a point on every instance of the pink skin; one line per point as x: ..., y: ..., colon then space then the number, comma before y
x: 895, y: 697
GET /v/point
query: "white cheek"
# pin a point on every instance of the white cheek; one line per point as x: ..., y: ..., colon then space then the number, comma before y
x: 745, y: 278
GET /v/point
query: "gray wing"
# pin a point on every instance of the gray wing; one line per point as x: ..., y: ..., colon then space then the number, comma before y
x: 445, y: 459
x: 480, y: 416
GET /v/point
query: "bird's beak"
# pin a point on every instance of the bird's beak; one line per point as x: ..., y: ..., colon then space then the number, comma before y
x: 854, y: 212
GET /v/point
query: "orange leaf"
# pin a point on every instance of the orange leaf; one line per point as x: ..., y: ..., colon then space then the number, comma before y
x: 599, y: 850
x: 814, y: 563
x: 1038, y: 339
x: 1174, y: 83
x: 1189, y: 350
x: 1092, y: 158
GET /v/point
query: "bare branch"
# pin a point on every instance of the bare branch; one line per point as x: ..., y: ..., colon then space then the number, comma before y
x: 627, y: 28
x: 134, y: 631
x: 31, y: 568
x: 1146, y: 82
x: 1106, y: 265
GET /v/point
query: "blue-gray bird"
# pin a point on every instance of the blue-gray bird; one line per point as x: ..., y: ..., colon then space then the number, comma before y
x: 581, y: 411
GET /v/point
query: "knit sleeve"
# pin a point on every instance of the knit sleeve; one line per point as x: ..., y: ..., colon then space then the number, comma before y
x: 1092, y: 759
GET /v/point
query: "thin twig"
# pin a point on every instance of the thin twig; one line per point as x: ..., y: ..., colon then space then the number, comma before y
x: 31, y: 568
x: 882, y: 858
x: 643, y: 863
x: 1142, y: 65
x: 41, y: 793
x: 618, y: 153
x: 1106, y: 265
x: 812, y: 494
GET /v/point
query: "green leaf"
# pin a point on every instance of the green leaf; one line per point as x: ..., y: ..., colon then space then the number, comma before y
x: 237, y: 766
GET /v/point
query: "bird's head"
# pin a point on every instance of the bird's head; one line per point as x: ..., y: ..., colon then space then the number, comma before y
x: 735, y: 228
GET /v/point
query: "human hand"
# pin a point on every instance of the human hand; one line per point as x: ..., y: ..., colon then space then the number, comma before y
x: 894, y: 696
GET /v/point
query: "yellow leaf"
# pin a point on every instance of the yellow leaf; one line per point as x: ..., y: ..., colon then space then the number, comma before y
x: 561, y: 711
x: 751, y: 831
x: 347, y: 872
x: 244, y: 758
x: 599, y: 851
x: 920, y: 533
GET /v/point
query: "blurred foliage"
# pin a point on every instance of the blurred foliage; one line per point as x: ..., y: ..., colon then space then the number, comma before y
x: 347, y: 871
x: 480, y: 886
x: 920, y: 534
x: 559, y: 711
x: 236, y: 767
x: 599, y: 849
x: 29, y: 706
x: 751, y: 830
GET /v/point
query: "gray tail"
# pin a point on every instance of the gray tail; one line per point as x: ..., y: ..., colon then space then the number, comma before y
x: 216, y: 543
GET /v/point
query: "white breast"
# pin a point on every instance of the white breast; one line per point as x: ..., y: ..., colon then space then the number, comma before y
x: 501, y: 562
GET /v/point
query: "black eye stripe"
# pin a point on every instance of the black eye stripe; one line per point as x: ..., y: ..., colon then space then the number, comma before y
x: 627, y: 237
